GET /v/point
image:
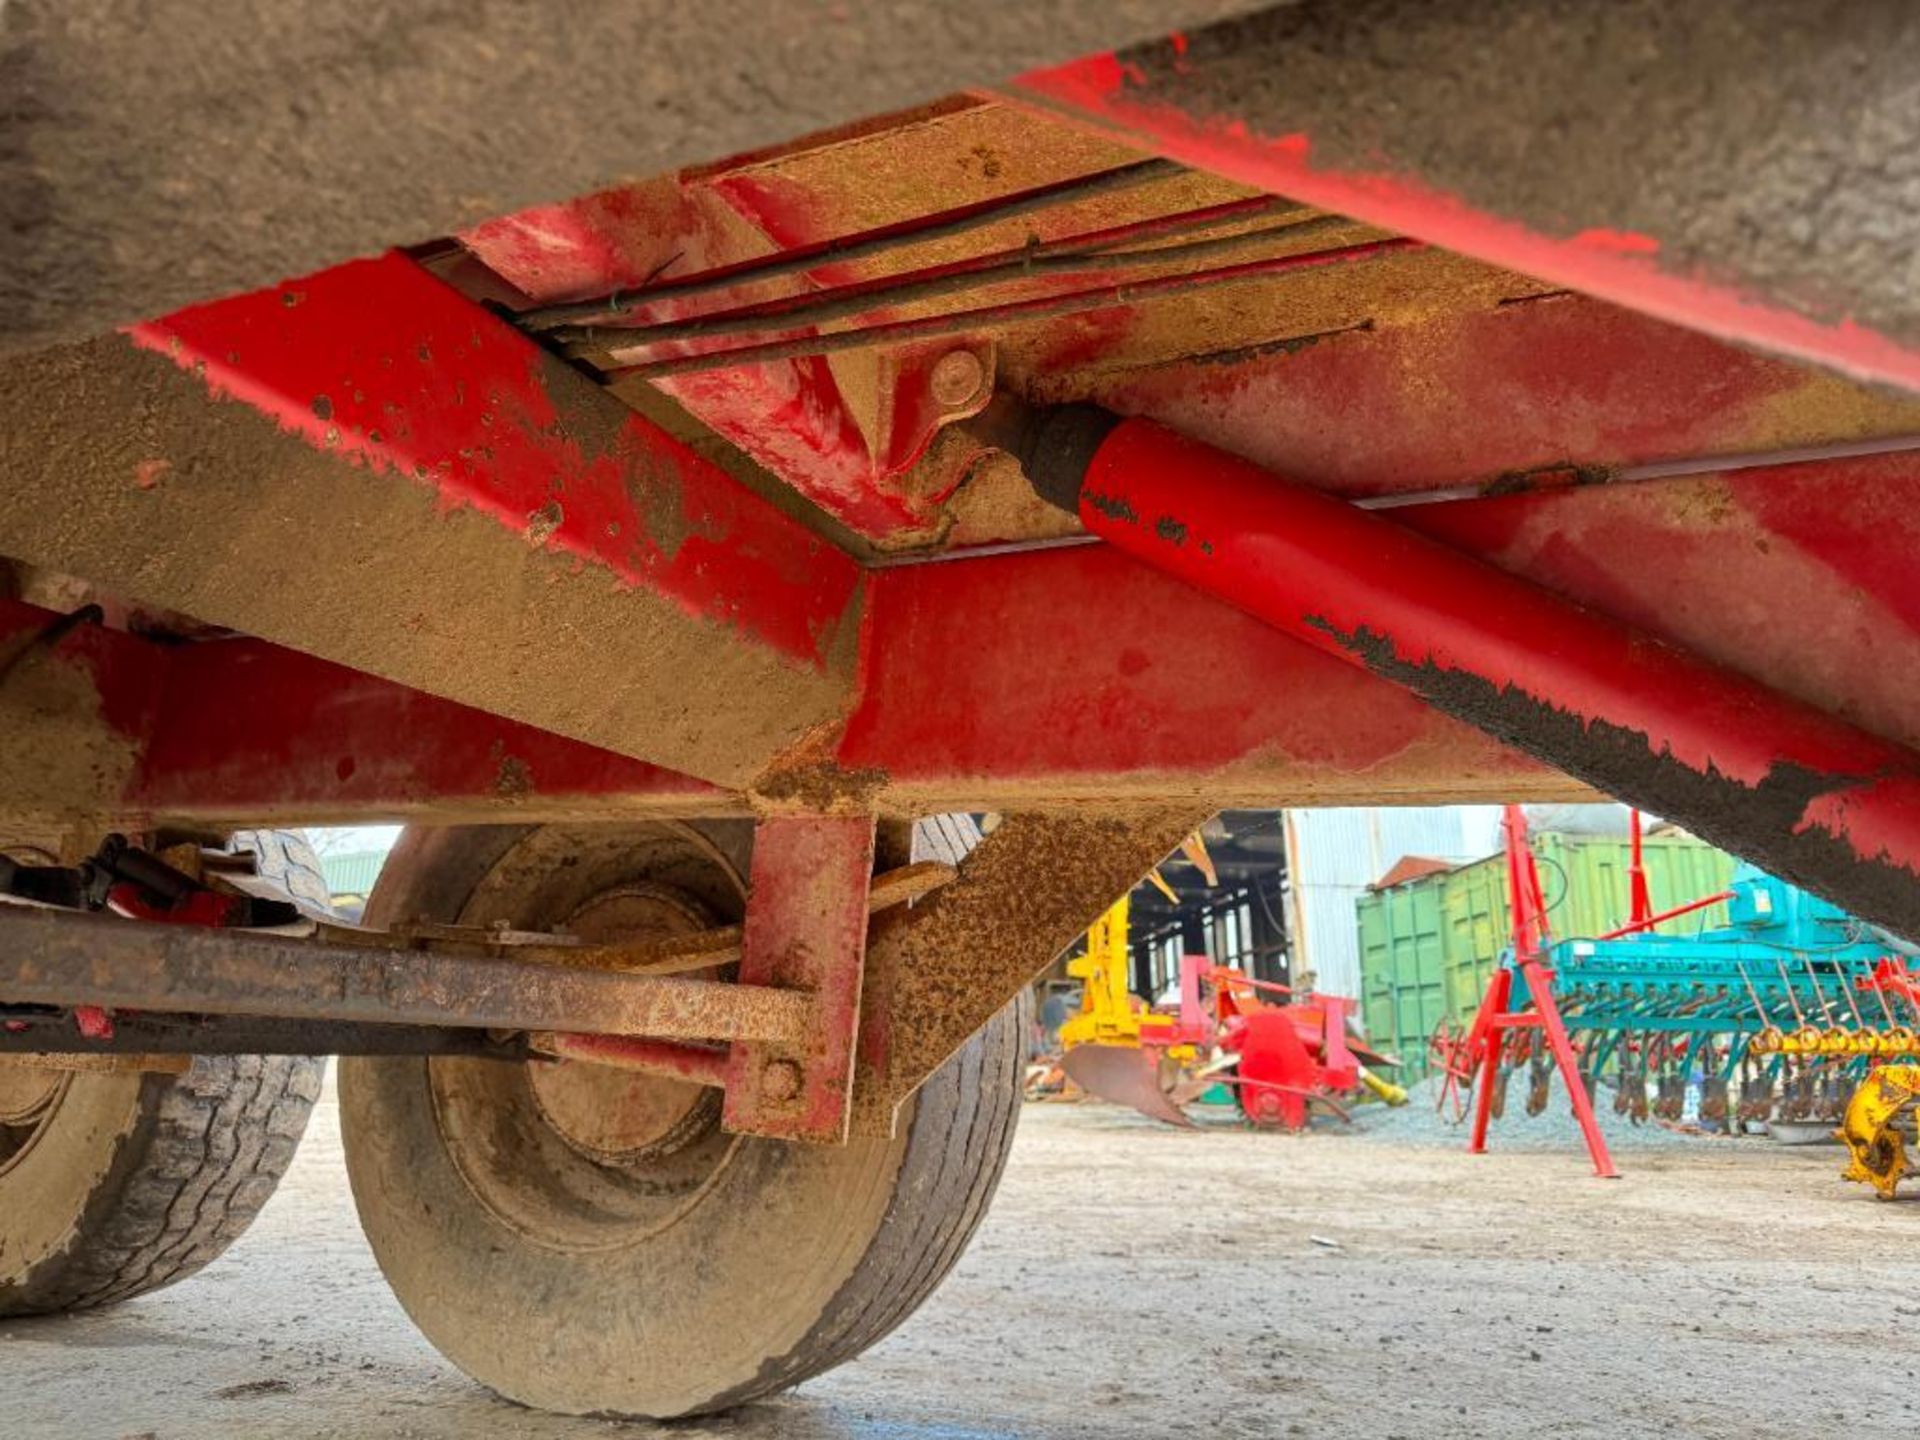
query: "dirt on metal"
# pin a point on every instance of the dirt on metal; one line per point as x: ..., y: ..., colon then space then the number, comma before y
x: 344, y: 138
x: 1459, y: 97
x: 941, y: 968
x: 60, y: 755
x: 249, y: 527
x: 995, y: 502
x: 1763, y: 822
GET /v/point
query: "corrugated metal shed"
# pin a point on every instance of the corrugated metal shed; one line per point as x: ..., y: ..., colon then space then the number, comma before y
x: 352, y: 875
x: 1334, y: 855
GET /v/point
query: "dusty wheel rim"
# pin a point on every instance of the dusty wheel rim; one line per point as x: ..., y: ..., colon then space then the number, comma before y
x: 581, y: 1298
x: 28, y: 1099
x: 618, y: 1116
x: 576, y: 1156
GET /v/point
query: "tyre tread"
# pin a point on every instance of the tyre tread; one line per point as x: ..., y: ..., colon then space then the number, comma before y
x: 205, y: 1153
x: 960, y: 1134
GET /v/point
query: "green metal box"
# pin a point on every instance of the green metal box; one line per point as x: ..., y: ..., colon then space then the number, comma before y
x: 1427, y: 947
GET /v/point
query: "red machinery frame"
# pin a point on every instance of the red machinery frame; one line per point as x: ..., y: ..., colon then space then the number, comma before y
x: 1485, y: 1044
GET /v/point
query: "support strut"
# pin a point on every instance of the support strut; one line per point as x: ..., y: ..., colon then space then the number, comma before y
x: 1796, y: 789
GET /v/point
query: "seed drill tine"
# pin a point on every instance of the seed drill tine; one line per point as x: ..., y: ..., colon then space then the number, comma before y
x: 1846, y: 993
x: 1786, y: 983
x: 1818, y: 992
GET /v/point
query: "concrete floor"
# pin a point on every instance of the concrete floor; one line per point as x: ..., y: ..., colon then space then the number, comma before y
x: 1137, y: 1281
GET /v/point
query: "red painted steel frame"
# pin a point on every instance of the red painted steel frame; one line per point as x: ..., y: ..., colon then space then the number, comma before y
x: 242, y: 731
x: 1106, y: 92
x: 1097, y: 676
x: 1648, y: 721
x: 1497, y: 1017
x: 1082, y: 673
x: 1070, y: 675
x: 793, y: 416
x: 384, y: 365
x: 250, y: 729
x: 806, y: 928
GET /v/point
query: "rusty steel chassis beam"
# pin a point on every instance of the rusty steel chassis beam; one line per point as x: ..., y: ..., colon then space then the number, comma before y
x: 51, y: 1031
x: 61, y: 960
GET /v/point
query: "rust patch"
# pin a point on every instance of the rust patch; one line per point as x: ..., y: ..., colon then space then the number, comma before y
x: 543, y: 522
x: 1546, y: 477
x: 1765, y: 823
x: 514, y: 780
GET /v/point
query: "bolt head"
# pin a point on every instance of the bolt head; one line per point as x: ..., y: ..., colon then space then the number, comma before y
x: 780, y: 1080
x: 957, y: 377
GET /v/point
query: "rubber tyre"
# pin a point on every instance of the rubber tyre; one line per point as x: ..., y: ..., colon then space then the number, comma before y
x: 778, y: 1263
x: 285, y: 857
x: 133, y: 1181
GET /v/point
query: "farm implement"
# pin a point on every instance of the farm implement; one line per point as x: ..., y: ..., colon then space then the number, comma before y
x: 1282, y: 1054
x: 1783, y: 1019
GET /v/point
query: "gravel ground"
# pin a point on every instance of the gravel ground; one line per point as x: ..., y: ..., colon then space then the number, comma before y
x: 1137, y: 1281
x: 1422, y: 1121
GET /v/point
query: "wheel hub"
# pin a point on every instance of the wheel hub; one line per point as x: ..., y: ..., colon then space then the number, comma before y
x: 572, y: 1155
x: 620, y: 1115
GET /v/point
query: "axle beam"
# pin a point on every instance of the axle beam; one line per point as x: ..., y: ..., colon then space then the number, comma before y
x: 66, y: 960
x: 54, y: 1033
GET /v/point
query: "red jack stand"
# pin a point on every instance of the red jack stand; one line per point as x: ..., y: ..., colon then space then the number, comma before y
x: 1485, y: 1040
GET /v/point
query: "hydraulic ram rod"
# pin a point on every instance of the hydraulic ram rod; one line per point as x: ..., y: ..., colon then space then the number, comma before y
x: 1799, y: 791
x: 50, y: 958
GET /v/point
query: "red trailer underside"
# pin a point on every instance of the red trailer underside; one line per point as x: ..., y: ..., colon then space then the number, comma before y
x: 704, y: 495
x: 798, y: 562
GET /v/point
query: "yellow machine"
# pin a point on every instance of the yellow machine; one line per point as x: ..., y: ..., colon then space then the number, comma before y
x: 1117, y: 1048
x: 1871, y: 1127
x: 1110, y: 1014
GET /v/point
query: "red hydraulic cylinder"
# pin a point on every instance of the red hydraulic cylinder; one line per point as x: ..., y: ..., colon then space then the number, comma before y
x: 1791, y: 787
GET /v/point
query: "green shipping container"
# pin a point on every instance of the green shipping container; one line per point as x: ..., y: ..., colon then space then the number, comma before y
x: 1403, y: 969
x: 1428, y: 947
